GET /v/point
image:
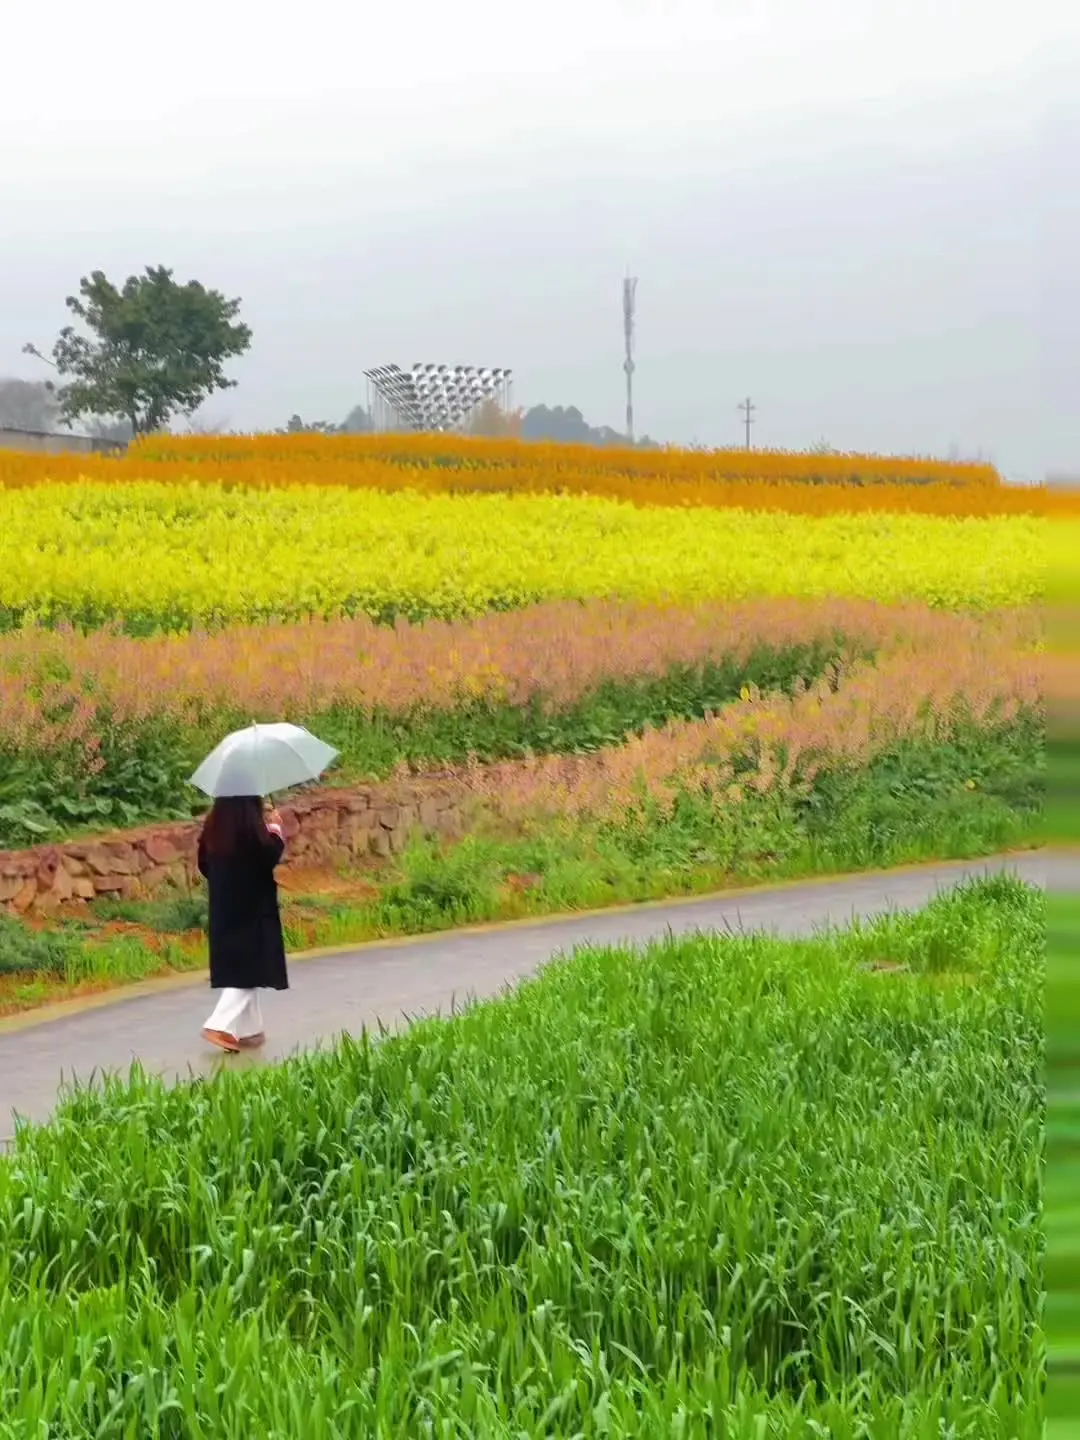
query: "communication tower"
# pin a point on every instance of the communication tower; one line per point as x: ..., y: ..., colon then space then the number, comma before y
x: 629, y: 310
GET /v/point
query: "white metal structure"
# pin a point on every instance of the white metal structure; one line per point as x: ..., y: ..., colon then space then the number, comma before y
x: 432, y: 397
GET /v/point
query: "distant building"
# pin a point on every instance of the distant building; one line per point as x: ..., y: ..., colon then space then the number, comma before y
x: 53, y: 443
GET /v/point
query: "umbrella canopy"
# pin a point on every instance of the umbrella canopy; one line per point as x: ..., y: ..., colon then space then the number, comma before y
x: 261, y: 760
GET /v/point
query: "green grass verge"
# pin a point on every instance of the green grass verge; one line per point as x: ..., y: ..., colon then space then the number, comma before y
x: 1063, y: 1165
x: 726, y: 1187
x: 980, y: 795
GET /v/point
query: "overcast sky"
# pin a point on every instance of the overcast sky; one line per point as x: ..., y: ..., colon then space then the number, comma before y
x: 863, y: 214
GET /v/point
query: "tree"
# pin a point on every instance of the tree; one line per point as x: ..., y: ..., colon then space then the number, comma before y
x: 299, y: 426
x: 568, y: 425
x: 28, y: 405
x: 357, y: 422
x: 556, y: 423
x: 489, y: 419
x: 155, y: 348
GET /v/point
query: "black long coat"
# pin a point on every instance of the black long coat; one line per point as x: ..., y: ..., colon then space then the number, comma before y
x: 247, y: 948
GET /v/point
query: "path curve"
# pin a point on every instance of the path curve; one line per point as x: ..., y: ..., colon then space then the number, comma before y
x: 388, y: 983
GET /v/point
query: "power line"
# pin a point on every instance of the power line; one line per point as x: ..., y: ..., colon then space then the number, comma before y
x: 747, y: 407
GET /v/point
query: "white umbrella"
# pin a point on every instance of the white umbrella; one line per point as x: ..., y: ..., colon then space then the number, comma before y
x: 263, y: 759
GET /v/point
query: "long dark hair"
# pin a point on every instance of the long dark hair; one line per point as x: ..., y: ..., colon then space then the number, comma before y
x: 234, y: 826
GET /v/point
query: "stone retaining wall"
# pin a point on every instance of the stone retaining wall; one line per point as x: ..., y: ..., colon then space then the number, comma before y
x: 322, y: 828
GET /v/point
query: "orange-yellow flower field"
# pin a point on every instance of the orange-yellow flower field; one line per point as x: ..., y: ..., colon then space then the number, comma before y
x: 593, y: 606
x: 778, y: 743
x: 801, y: 483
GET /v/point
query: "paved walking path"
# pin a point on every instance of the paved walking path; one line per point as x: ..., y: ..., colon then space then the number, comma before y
x: 390, y: 982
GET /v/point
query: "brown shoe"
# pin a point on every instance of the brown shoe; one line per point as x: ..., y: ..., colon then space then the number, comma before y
x: 252, y: 1042
x: 222, y: 1040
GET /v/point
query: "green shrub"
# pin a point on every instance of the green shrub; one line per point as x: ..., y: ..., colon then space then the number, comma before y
x: 26, y: 951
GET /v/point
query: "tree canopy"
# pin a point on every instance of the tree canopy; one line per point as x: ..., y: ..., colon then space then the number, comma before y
x: 155, y: 348
x: 568, y: 425
x: 357, y: 422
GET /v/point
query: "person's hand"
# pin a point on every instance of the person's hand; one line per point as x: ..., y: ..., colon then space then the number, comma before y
x: 273, y: 817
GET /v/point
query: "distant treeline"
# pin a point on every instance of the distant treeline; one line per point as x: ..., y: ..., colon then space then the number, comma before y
x: 541, y: 422
x: 32, y: 405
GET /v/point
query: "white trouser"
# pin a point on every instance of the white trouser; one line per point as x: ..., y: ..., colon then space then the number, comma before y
x: 237, y: 1013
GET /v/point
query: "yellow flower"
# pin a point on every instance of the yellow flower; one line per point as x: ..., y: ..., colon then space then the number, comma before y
x: 171, y: 555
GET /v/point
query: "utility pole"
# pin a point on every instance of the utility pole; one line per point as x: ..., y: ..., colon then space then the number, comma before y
x: 629, y: 306
x: 747, y: 407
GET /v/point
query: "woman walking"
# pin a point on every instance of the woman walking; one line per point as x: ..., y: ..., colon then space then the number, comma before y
x: 239, y: 848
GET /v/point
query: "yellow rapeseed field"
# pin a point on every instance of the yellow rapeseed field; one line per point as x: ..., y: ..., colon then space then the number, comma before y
x: 169, y: 556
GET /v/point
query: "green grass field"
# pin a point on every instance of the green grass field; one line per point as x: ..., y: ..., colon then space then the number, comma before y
x: 1063, y: 1165
x: 730, y: 1187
